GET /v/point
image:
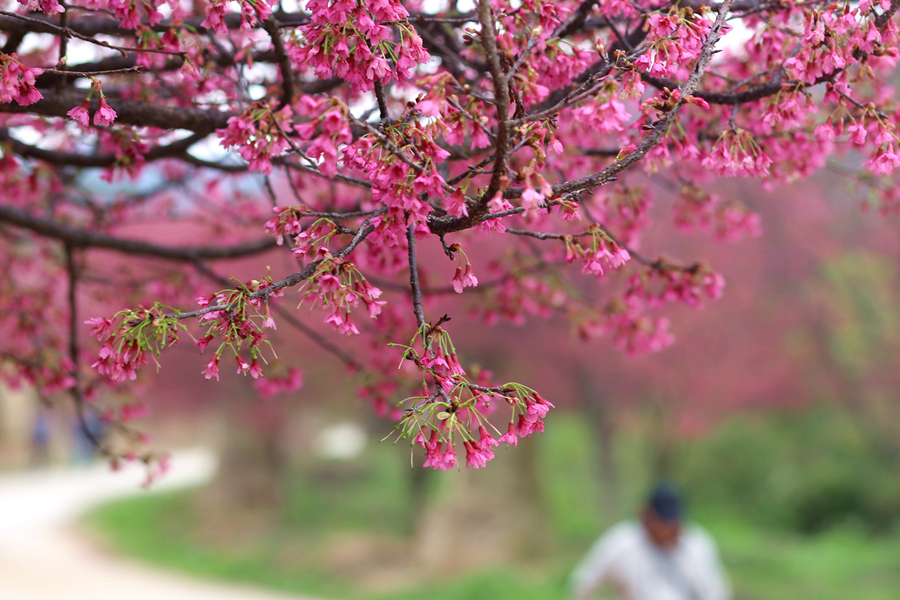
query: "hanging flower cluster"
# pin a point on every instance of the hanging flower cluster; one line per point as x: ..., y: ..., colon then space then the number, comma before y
x: 457, y: 411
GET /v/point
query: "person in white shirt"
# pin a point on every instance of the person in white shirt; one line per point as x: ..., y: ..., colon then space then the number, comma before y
x: 656, y: 559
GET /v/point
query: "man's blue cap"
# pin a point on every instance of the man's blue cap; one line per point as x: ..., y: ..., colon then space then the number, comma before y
x: 666, y: 502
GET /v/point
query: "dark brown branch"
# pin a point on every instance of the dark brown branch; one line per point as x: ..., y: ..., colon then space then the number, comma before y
x: 284, y: 64
x: 91, y: 26
x: 75, y: 390
x: 382, y: 100
x: 501, y: 102
x: 756, y: 93
x: 68, y: 32
x: 414, y: 277
x: 72, y: 73
x: 173, y: 150
x: 129, y: 112
x: 575, y: 20
x: 79, y: 238
x: 882, y: 19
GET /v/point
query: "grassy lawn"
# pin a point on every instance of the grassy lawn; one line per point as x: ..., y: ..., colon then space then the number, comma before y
x: 764, y: 561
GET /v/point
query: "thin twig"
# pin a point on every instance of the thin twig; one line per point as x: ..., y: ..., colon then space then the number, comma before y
x: 291, y: 280
x: 414, y: 277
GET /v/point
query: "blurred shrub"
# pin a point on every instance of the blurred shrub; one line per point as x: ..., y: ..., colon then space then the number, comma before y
x: 807, y: 472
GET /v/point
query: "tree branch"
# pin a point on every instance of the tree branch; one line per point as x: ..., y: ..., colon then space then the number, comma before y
x: 414, y: 277
x: 284, y: 64
x: 501, y: 101
x: 129, y: 112
x: 75, y: 390
x: 661, y: 128
x: 173, y: 150
x: 291, y: 280
x: 79, y: 238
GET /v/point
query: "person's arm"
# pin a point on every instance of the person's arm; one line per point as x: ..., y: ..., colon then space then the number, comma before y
x: 596, y: 566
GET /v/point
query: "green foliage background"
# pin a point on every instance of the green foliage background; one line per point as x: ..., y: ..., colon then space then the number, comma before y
x: 802, y: 506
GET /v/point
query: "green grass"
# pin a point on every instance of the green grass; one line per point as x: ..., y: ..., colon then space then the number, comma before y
x: 765, y: 560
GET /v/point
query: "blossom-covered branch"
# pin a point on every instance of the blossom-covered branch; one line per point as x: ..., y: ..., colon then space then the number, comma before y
x: 382, y: 143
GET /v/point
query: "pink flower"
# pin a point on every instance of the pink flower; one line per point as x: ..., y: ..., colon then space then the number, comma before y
x: 531, y: 199
x: 100, y: 327
x: 536, y: 411
x: 212, y: 369
x: 203, y: 342
x: 884, y: 161
x: 447, y: 461
x: 486, y: 440
x: 524, y: 427
x: 464, y: 277
x: 81, y: 114
x: 477, y: 457
x: 104, y: 115
x: 509, y: 437
x: 255, y: 369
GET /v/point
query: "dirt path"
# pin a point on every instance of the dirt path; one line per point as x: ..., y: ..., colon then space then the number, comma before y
x: 41, y: 558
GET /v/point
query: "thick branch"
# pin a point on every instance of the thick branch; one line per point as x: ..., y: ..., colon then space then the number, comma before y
x: 501, y: 99
x: 79, y: 238
x: 129, y: 112
x: 173, y: 150
x: 75, y: 390
x: 284, y: 64
x: 756, y: 93
x: 91, y: 26
x: 882, y: 19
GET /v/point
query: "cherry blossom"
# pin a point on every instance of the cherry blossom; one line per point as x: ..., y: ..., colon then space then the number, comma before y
x: 522, y: 153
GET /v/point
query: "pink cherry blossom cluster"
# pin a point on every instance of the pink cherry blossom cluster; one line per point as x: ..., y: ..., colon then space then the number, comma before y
x: 339, y: 287
x: 738, y: 153
x: 661, y: 283
x: 731, y: 220
x: 465, y: 276
x: 457, y: 410
x: 399, y: 182
x: 602, y: 255
x: 455, y: 423
x: 356, y: 42
x: 287, y: 381
x: 328, y: 133
x: 633, y: 330
x: 129, y: 338
x: 103, y: 117
x: 237, y: 318
x: 674, y: 41
x: 17, y: 81
x: 49, y: 7
x: 831, y: 37
x: 258, y: 136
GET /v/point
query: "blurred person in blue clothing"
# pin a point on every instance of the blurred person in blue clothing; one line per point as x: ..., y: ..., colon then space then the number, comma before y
x: 83, y: 447
x: 40, y: 440
x: 654, y: 559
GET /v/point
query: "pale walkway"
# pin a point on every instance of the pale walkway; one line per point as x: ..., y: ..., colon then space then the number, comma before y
x: 42, y: 559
